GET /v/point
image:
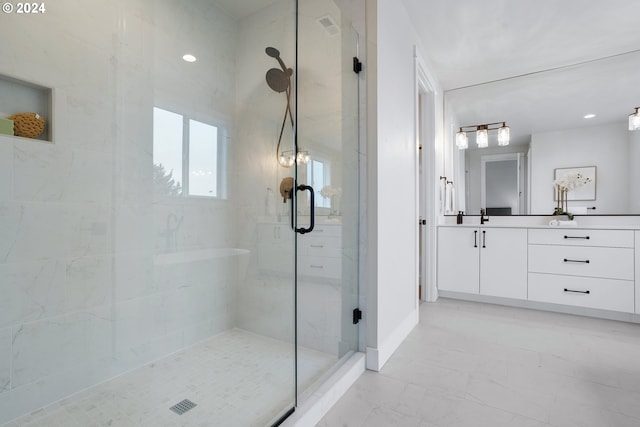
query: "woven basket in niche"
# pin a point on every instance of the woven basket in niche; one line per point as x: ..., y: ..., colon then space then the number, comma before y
x: 29, y: 125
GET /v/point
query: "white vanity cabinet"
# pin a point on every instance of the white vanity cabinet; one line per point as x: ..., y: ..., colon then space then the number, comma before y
x: 584, y: 268
x: 275, y: 247
x: 320, y: 252
x: 458, y: 259
x: 589, y: 268
x: 484, y: 260
x: 503, y: 262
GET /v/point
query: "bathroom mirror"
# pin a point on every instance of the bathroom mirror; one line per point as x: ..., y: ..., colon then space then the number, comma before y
x: 548, y: 115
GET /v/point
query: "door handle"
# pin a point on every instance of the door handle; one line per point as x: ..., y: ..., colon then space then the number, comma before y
x: 312, y: 213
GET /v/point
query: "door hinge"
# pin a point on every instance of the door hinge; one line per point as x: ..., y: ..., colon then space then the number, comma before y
x: 357, y: 315
x: 357, y: 65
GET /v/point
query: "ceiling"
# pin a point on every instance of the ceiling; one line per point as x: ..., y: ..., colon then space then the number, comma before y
x: 470, y: 41
x: 490, y: 58
x: 243, y: 8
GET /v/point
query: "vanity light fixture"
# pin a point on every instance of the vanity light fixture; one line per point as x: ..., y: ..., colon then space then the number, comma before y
x: 503, y: 135
x: 288, y: 158
x: 303, y: 157
x: 462, y: 140
x: 634, y: 120
x: 482, y: 135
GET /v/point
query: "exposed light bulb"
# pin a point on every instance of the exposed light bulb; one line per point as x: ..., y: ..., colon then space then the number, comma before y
x: 303, y: 157
x: 286, y: 159
x: 189, y: 58
x: 503, y: 135
x: 634, y: 120
x: 589, y: 116
x: 482, y: 137
x: 462, y: 141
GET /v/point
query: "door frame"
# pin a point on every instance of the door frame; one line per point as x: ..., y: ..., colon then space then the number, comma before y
x: 425, y: 136
x: 483, y: 176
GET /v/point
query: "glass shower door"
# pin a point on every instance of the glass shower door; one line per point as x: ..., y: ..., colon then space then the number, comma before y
x: 328, y: 162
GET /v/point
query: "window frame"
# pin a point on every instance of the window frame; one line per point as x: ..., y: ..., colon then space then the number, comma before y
x: 221, y: 152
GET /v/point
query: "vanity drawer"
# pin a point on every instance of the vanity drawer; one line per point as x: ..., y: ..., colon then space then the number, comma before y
x: 579, y: 237
x: 603, y: 294
x: 324, y: 246
x: 610, y: 263
x: 325, y: 229
x: 329, y: 268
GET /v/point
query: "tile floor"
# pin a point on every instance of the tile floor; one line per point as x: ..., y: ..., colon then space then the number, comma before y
x: 472, y: 364
x: 237, y: 379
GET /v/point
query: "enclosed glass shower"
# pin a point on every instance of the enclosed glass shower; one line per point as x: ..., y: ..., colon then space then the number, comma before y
x: 179, y: 243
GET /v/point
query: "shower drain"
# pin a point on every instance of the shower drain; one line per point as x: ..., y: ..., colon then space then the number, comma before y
x: 182, y: 407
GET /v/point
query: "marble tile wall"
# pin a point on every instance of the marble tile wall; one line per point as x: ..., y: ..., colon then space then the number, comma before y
x: 84, y: 298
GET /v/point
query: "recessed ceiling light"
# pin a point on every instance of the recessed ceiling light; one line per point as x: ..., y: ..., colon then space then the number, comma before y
x: 189, y: 58
x: 589, y: 116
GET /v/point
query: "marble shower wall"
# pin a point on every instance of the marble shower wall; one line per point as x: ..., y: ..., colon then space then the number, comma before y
x: 267, y: 299
x: 86, y: 291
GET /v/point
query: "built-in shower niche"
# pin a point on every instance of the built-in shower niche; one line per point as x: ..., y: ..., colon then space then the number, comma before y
x: 19, y: 96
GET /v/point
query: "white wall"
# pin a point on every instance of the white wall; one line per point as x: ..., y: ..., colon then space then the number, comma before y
x: 634, y: 172
x: 606, y: 147
x: 393, y: 151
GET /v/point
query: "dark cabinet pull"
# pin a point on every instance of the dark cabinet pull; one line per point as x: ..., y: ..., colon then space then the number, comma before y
x: 484, y: 239
x: 475, y: 239
x: 577, y: 260
x: 577, y: 292
x: 577, y: 237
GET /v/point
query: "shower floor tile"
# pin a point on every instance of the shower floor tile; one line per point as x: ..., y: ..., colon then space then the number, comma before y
x: 236, y: 378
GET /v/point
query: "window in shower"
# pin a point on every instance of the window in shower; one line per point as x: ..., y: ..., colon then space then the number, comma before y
x: 187, y: 156
x: 167, y: 152
x: 319, y: 175
x: 203, y: 159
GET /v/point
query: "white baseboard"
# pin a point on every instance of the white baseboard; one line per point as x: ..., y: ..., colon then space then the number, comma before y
x: 377, y: 357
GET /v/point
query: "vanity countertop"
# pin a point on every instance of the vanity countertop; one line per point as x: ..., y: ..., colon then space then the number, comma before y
x: 578, y: 227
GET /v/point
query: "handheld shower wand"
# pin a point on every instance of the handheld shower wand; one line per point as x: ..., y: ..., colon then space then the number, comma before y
x: 279, y: 80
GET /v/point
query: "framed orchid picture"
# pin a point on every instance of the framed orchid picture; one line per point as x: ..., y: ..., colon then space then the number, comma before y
x: 579, y: 182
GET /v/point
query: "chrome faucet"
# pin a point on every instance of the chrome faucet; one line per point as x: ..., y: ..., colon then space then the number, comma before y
x: 483, y: 216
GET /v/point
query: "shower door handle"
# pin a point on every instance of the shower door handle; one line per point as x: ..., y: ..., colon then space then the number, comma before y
x: 312, y: 214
